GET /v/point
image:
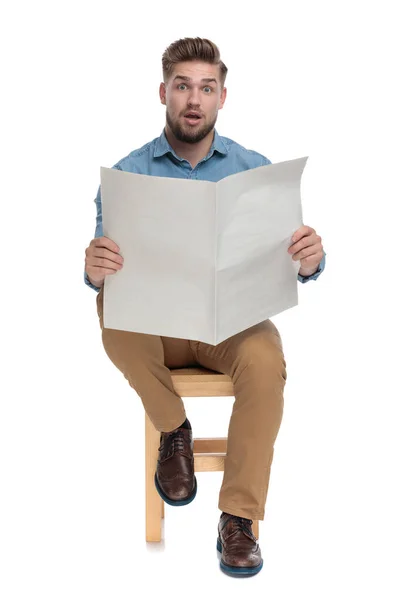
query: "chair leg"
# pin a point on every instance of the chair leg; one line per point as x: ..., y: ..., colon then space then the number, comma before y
x: 153, y: 500
x: 255, y: 529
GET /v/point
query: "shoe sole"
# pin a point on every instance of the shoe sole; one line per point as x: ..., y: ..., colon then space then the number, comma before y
x: 175, y: 502
x: 237, y: 571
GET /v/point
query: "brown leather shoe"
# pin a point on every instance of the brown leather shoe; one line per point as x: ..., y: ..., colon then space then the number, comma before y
x: 240, y: 552
x: 174, y: 478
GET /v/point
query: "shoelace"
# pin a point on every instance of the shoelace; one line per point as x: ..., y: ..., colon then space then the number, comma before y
x: 241, y: 523
x: 176, y: 441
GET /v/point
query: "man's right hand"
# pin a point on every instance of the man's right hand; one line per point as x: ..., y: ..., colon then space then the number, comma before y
x: 102, y: 258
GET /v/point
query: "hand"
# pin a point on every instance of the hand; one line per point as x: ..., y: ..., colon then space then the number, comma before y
x: 307, y: 248
x: 102, y: 258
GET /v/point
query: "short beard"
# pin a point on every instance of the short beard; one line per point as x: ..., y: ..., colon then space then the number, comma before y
x: 189, y: 138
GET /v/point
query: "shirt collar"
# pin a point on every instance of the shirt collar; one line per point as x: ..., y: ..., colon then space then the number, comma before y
x: 162, y: 146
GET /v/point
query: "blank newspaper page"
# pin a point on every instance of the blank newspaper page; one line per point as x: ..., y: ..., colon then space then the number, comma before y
x: 165, y: 229
x: 257, y: 213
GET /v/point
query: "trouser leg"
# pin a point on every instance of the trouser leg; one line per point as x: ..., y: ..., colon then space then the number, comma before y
x: 145, y: 361
x: 254, y: 360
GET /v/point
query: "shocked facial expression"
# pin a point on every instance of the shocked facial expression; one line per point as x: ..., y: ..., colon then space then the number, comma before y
x: 193, y: 97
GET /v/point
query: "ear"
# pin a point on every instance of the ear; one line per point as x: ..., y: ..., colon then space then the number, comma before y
x: 162, y: 92
x: 223, y: 98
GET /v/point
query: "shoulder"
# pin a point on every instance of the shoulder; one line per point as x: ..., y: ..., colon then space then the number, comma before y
x: 255, y: 159
x: 135, y: 159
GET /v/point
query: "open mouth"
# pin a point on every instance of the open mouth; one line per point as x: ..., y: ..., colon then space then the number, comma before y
x: 192, y: 119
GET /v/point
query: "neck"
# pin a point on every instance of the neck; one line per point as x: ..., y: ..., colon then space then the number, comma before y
x: 193, y: 153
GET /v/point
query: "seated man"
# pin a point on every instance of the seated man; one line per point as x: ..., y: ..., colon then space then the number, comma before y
x: 190, y: 148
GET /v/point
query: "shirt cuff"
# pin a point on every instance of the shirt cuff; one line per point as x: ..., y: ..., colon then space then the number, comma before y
x: 89, y: 283
x: 321, y: 267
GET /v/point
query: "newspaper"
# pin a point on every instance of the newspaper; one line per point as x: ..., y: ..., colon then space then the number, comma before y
x: 202, y: 260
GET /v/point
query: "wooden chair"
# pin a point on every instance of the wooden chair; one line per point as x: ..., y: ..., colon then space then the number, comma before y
x: 209, y: 453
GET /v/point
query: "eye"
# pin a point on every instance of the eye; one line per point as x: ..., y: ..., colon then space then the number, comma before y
x: 207, y: 87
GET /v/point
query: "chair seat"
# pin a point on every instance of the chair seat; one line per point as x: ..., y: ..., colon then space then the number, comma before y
x: 198, y: 381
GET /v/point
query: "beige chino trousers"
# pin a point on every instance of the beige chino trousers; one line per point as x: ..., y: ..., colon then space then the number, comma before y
x: 254, y: 360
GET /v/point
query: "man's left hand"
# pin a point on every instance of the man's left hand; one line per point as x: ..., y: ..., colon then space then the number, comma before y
x: 307, y: 247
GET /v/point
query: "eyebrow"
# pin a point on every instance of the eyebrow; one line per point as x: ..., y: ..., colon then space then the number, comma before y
x: 205, y: 79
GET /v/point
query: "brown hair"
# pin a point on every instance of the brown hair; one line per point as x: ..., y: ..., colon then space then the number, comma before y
x: 190, y: 49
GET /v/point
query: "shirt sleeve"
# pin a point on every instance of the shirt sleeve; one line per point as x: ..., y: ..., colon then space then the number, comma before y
x: 315, y: 275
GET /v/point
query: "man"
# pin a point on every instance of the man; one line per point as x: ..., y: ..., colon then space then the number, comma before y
x: 190, y: 148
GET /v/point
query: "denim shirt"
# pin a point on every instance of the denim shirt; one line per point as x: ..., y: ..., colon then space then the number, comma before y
x: 157, y: 157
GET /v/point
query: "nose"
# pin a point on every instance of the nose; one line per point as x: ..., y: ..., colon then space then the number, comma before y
x: 194, y: 98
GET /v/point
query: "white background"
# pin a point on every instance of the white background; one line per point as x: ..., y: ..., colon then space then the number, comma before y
x: 80, y: 91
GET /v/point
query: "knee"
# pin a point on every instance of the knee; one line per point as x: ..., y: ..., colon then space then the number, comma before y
x: 132, y: 352
x: 265, y: 359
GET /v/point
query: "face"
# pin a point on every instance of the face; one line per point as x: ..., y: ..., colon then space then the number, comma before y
x: 193, y: 86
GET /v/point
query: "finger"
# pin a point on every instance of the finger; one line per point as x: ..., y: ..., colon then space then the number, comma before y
x: 303, y: 230
x: 313, y: 259
x: 99, y: 262
x: 307, y: 252
x: 99, y: 252
x: 308, y: 240
x: 105, y: 242
x: 101, y: 272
